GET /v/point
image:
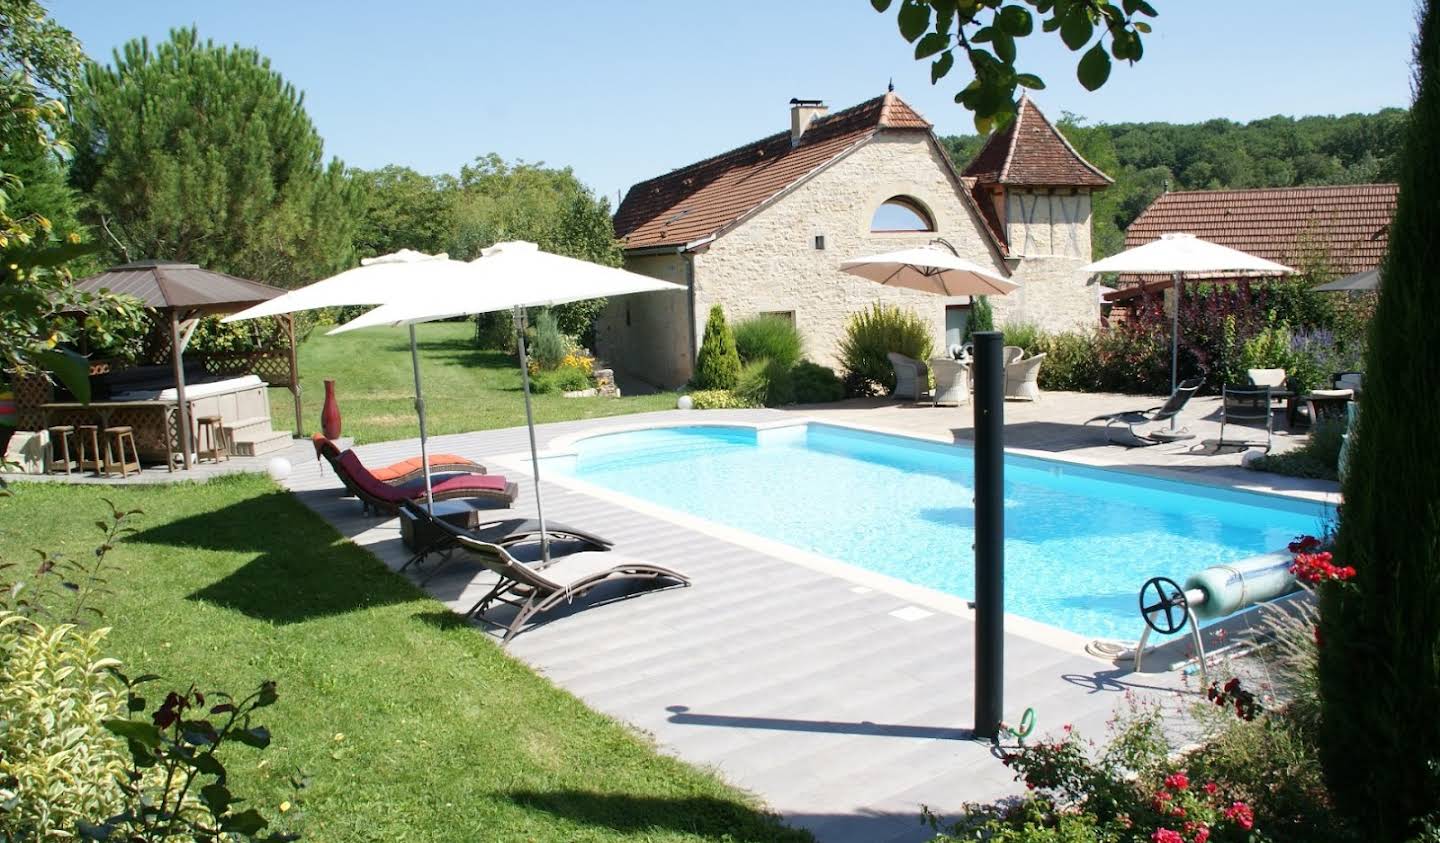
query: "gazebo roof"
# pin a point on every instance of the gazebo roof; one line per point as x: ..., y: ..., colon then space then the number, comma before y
x: 165, y: 285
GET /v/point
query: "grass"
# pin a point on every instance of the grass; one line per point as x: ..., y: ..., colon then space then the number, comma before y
x: 465, y: 388
x: 410, y: 724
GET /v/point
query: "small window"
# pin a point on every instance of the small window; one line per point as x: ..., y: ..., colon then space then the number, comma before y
x: 787, y: 315
x: 901, y: 213
x: 819, y: 242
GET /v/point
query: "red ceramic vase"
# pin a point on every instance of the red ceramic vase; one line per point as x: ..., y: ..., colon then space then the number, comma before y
x: 330, y: 413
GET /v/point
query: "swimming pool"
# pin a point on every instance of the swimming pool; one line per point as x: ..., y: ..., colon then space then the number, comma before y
x: 1079, y: 540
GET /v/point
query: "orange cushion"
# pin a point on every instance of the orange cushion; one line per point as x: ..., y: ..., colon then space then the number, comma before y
x: 404, y: 467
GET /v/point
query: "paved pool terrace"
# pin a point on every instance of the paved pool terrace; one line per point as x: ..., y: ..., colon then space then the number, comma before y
x: 840, y: 699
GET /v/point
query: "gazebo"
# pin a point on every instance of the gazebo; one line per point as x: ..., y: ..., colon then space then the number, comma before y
x: 180, y: 294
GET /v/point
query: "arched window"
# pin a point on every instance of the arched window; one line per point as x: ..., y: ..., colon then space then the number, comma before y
x: 901, y: 213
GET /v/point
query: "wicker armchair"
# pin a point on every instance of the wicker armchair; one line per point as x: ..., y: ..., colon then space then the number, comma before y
x: 952, y: 381
x: 912, y: 378
x: 1022, y: 378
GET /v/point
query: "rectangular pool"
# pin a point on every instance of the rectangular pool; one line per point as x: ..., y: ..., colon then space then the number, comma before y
x: 1079, y: 542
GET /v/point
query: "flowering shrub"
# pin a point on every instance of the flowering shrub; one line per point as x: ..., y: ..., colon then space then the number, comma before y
x: 1133, y: 791
x: 1312, y: 565
x: 1233, y: 693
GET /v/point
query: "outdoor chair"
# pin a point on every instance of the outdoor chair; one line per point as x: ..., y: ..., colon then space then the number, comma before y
x: 405, y: 470
x: 912, y: 378
x: 952, y: 381
x: 1324, y: 405
x: 384, y: 499
x: 1279, y: 384
x: 1133, y: 418
x: 534, y: 591
x: 443, y: 536
x: 1010, y: 353
x: 1247, y: 405
x: 1022, y: 377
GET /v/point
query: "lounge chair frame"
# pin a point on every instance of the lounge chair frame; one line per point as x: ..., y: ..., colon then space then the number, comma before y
x: 505, y: 532
x: 1242, y: 404
x: 372, y: 505
x: 532, y: 593
x: 1134, y: 418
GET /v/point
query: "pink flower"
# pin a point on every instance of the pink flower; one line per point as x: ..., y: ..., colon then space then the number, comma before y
x: 1166, y: 835
x: 1202, y: 834
x: 1177, y: 781
x: 1210, y: 788
x: 1240, y: 814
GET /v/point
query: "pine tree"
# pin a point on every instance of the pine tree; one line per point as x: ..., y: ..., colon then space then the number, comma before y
x: 197, y: 152
x: 718, y: 364
x: 1380, y: 636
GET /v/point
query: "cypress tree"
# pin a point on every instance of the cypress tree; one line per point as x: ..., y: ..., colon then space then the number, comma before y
x: 718, y: 364
x: 197, y: 152
x: 1380, y: 634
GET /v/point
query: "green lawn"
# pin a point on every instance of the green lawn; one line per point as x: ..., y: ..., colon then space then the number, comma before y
x: 410, y: 724
x: 465, y: 388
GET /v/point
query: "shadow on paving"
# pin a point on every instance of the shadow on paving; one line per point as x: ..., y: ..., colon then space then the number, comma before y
x: 705, y: 816
x: 683, y: 715
x: 286, y: 582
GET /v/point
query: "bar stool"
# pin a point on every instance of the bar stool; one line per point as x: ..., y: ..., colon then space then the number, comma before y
x: 90, y: 458
x: 64, y: 433
x: 115, y: 439
x: 210, y: 439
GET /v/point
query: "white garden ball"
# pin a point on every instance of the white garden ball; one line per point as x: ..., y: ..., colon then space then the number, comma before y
x: 279, y: 468
x: 685, y: 402
x: 1249, y: 457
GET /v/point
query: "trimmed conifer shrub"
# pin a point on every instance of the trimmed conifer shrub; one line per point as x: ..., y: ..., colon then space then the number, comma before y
x: 981, y: 317
x: 1380, y: 633
x: 718, y: 364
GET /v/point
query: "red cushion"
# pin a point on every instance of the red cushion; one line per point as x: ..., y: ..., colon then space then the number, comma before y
x: 366, y: 482
x: 415, y: 489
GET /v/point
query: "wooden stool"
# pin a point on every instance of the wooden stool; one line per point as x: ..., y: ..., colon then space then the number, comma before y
x: 64, y: 433
x: 210, y: 440
x: 90, y: 458
x: 115, y: 439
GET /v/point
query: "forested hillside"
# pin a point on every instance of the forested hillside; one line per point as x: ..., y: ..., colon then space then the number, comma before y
x: 1146, y: 158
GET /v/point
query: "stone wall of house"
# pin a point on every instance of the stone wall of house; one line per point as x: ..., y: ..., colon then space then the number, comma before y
x: 1054, y: 294
x: 645, y: 334
x: 770, y: 262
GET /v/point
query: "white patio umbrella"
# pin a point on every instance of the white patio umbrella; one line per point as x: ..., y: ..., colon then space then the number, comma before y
x: 512, y: 276
x: 1367, y: 280
x: 931, y: 269
x: 377, y: 280
x: 1179, y: 254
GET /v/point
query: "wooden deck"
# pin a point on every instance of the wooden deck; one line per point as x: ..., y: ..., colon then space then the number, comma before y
x: 842, y: 703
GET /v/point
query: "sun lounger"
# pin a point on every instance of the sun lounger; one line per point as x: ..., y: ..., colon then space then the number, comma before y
x: 1133, y: 418
x: 533, y: 591
x: 405, y: 470
x: 385, y: 499
x: 506, y: 532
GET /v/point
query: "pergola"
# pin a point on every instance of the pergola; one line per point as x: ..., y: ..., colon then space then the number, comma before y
x: 182, y: 293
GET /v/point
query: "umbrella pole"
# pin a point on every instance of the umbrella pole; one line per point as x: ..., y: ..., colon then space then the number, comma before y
x: 530, y: 424
x: 1175, y: 344
x: 420, y: 411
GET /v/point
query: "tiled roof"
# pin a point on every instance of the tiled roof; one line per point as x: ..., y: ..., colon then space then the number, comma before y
x: 1350, y: 222
x: 705, y: 198
x: 1030, y: 152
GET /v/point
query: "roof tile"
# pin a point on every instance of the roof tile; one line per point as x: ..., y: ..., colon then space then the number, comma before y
x: 1030, y: 152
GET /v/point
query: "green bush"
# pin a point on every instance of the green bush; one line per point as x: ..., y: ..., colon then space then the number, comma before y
x: 718, y: 399
x: 1318, y: 458
x: 872, y: 334
x: 718, y: 364
x: 550, y: 345
x: 816, y: 384
x: 1380, y: 658
x: 563, y: 379
x: 980, y: 318
x: 59, y: 765
x: 1072, y: 362
x: 768, y: 337
x: 765, y: 383
x: 1028, y: 336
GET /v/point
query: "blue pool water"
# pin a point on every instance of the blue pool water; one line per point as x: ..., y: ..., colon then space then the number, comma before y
x: 1079, y: 541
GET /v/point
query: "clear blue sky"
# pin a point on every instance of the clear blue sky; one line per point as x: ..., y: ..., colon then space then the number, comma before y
x: 623, y: 90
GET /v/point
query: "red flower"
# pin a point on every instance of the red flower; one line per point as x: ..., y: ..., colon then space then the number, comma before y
x: 1304, y: 544
x: 1177, y: 781
x: 1202, y: 834
x: 1240, y: 814
x: 1210, y: 788
x: 1315, y: 568
x: 1166, y: 835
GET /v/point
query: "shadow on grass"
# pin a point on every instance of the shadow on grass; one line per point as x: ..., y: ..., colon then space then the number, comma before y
x: 299, y: 569
x: 705, y: 816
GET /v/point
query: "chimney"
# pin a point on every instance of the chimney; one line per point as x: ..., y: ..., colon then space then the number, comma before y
x: 801, y: 113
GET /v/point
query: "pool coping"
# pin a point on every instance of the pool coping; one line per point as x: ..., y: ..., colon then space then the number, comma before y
x: 1028, y: 628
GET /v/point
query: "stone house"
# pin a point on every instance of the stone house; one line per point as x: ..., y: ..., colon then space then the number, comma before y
x: 763, y: 229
